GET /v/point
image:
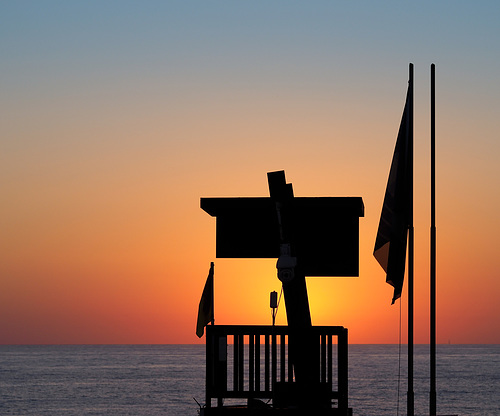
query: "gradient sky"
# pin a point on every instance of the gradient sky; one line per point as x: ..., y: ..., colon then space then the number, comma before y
x: 117, y: 116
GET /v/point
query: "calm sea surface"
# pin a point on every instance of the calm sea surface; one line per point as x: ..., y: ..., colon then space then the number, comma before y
x: 143, y: 380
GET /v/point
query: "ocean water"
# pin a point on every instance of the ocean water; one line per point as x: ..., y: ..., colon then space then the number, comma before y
x: 144, y: 380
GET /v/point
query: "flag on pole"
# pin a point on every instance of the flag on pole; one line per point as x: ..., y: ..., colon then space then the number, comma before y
x: 206, y: 307
x: 396, y: 216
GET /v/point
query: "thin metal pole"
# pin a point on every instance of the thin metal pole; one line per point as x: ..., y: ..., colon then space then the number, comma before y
x: 212, y: 321
x: 410, y: 397
x: 432, y: 395
x: 410, y: 321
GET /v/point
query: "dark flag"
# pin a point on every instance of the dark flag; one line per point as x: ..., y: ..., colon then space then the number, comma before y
x: 206, y: 308
x: 396, y: 216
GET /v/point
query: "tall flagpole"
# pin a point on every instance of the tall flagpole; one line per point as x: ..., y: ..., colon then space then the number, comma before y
x: 432, y: 395
x: 410, y: 397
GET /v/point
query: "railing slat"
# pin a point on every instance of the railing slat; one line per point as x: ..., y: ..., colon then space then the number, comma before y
x: 342, y: 369
x: 257, y: 362
x: 282, y: 357
x: 251, y: 362
x: 266, y: 363
x: 330, y: 363
x: 241, y: 360
x: 249, y: 384
x: 323, y: 357
x: 274, y: 361
x: 235, y: 362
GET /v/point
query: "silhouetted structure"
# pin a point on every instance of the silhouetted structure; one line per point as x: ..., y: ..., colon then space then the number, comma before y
x: 310, y: 237
x: 258, y: 366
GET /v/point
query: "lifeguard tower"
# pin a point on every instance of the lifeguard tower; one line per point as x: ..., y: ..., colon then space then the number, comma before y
x: 298, y: 369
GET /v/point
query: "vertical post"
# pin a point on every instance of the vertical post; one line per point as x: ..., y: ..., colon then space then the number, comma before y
x: 266, y: 364
x: 236, y: 366
x: 257, y: 362
x: 432, y: 394
x: 294, y: 283
x: 221, y: 367
x: 274, y: 361
x: 209, y: 367
x: 330, y: 363
x: 251, y: 362
x: 283, y: 357
x: 302, y: 349
x: 212, y: 321
x: 410, y: 397
x: 323, y: 357
x: 342, y: 368
x: 241, y: 361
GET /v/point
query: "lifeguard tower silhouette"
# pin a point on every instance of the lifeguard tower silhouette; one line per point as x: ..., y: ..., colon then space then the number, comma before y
x: 298, y: 369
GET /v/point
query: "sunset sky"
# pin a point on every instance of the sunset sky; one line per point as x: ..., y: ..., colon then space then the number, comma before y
x: 117, y: 116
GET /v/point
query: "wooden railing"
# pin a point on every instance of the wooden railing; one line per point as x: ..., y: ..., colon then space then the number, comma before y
x: 251, y: 362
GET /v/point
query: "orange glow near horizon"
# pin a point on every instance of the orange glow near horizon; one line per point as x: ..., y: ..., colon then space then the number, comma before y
x: 137, y: 280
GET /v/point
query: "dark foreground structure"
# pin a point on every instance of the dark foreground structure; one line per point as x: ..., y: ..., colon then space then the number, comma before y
x: 296, y: 369
x: 252, y: 363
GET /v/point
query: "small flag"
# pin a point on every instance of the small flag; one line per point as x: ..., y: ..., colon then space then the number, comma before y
x: 396, y: 216
x: 206, y: 308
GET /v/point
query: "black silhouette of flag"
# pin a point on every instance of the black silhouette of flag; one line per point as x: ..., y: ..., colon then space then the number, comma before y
x: 206, y: 307
x: 396, y: 216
